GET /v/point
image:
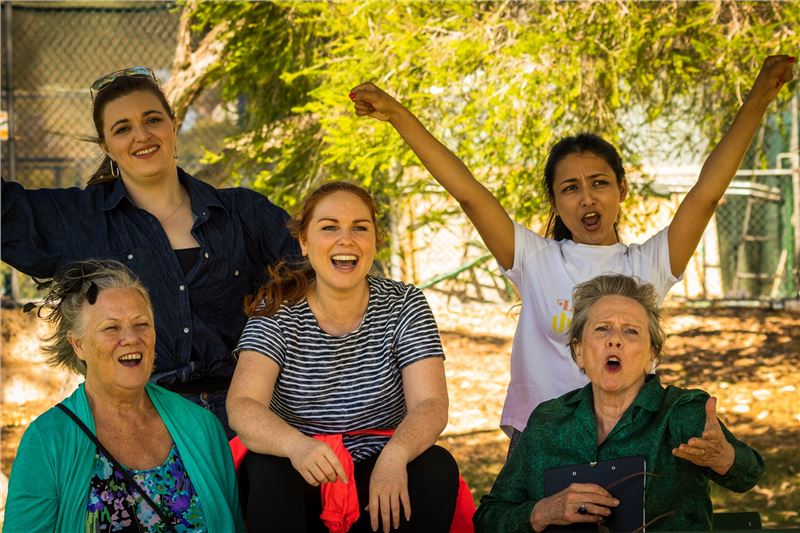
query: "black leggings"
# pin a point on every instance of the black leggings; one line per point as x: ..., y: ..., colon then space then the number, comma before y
x: 275, y: 497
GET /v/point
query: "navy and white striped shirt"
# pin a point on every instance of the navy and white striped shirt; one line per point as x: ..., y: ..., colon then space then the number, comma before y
x: 330, y: 384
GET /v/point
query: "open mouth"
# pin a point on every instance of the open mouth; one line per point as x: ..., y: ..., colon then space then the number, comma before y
x: 344, y: 262
x: 145, y: 152
x: 613, y: 364
x: 130, y: 359
x: 591, y: 221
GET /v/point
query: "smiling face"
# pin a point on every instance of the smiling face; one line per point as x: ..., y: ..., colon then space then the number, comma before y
x: 118, y: 341
x: 587, y: 197
x: 339, y: 241
x: 139, y: 136
x: 615, y: 350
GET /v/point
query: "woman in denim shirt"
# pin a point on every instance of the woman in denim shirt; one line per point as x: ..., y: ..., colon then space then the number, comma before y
x: 198, y: 250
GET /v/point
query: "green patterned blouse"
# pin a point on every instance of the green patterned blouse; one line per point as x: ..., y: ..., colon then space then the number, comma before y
x: 563, y: 432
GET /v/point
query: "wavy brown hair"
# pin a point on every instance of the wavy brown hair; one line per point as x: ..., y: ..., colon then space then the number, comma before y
x: 289, y: 280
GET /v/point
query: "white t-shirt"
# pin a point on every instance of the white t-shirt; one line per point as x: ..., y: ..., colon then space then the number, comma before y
x: 545, y: 272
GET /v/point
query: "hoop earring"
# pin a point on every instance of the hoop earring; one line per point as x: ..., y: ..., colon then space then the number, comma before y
x: 114, y: 169
x: 175, y: 155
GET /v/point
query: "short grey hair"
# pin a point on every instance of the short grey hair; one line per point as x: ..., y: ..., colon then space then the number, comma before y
x: 588, y: 293
x: 63, y: 305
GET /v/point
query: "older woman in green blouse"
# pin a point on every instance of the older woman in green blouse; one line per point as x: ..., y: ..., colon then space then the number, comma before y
x: 616, y: 338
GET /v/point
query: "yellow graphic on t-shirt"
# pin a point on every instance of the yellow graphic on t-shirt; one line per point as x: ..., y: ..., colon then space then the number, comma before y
x: 563, y: 317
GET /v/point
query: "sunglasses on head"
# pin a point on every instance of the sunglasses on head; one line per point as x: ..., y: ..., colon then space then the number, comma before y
x: 133, y: 72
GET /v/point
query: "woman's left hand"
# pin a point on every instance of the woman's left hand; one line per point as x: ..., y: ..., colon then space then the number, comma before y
x: 388, y: 490
x: 711, y: 449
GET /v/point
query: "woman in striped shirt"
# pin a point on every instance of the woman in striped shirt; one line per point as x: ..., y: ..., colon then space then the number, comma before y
x: 331, y: 350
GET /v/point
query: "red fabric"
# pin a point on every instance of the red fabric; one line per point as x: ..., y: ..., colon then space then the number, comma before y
x: 465, y: 508
x: 238, y: 450
x: 339, y: 500
x: 340, y: 508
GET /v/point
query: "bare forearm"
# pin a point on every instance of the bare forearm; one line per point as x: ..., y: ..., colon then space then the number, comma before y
x: 481, y: 207
x: 716, y: 175
x: 420, y: 429
x: 721, y: 165
x: 443, y: 165
x: 260, y: 429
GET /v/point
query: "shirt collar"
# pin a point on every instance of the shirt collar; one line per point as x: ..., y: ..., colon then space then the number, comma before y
x: 116, y: 195
x: 652, y: 394
x: 649, y: 398
x: 202, y: 195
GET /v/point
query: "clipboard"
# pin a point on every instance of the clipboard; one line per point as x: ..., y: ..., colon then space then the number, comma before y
x: 628, y: 515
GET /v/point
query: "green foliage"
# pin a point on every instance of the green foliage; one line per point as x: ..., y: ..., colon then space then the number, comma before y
x: 498, y: 82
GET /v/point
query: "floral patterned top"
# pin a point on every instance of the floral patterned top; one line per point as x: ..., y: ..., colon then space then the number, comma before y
x: 114, y: 507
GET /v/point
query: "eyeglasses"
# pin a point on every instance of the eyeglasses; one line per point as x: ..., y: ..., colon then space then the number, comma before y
x: 132, y: 72
x: 603, y: 529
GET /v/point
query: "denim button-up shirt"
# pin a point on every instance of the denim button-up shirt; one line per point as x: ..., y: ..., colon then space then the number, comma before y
x: 199, y: 316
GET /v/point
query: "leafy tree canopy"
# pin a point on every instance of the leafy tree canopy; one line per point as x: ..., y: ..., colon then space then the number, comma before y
x: 498, y: 82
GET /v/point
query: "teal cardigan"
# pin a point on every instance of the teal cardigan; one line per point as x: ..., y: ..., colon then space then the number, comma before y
x: 49, y: 485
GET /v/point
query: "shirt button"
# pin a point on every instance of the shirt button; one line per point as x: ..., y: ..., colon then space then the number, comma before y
x: 130, y: 256
x: 182, y: 287
x: 204, y: 213
x: 186, y: 330
x: 206, y: 255
x: 235, y: 272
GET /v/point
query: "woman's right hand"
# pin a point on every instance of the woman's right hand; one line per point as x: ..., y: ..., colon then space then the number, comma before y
x: 775, y: 72
x: 316, y: 462
x: 562, y: 508
x: 371, y: 101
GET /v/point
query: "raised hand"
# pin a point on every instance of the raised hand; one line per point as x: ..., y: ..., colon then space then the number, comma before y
x: 711, y: 449
x: 317, y: 463
x: 774, y: 74
x: 580, y: 502
x: 371, y: 101
x: 388, y: 491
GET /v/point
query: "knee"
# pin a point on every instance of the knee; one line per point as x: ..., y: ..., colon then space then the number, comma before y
x: 438, y: 466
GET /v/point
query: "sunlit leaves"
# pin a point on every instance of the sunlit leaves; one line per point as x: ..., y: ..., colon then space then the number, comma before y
x: 498, y: 82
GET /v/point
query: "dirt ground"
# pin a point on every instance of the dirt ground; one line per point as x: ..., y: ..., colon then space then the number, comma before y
x: 748, y: 358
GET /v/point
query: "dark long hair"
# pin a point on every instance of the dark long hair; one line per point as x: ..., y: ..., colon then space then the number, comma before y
x: 122, y: 86
x: 576, y: 144
x: 288, y: 281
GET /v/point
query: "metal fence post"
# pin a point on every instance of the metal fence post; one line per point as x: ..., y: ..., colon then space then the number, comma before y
x: 794, y: 150
x: 10, y: 163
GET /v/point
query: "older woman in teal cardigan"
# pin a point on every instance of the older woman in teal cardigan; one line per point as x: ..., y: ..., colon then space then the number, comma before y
x: 160, y: 462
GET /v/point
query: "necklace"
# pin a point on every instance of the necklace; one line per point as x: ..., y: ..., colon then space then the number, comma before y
x: 162, y: 220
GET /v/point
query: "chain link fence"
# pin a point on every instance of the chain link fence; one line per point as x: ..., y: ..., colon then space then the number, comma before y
x: 753, y: 233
